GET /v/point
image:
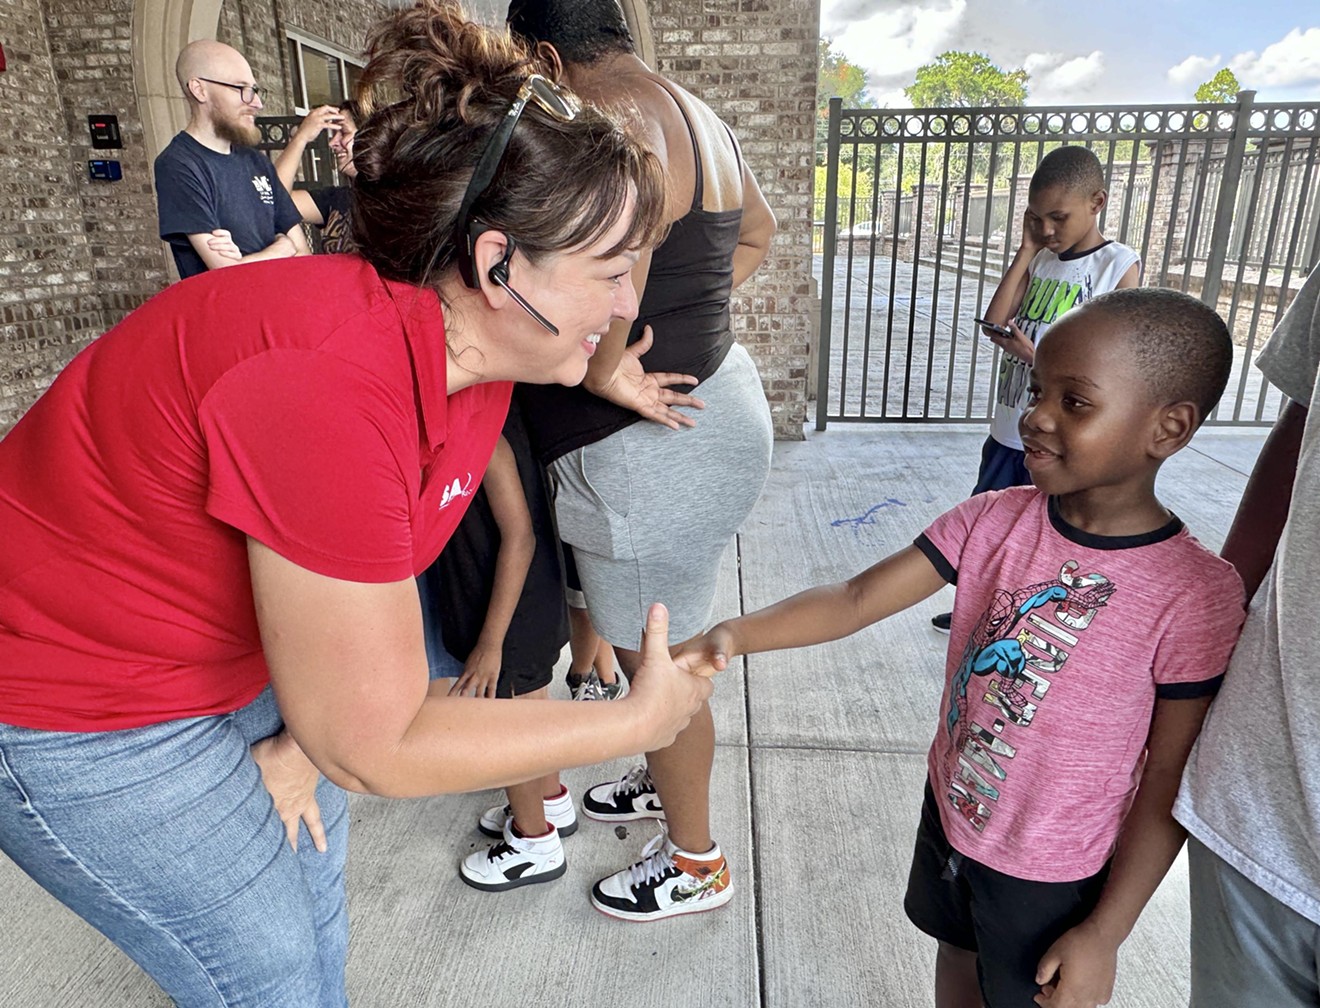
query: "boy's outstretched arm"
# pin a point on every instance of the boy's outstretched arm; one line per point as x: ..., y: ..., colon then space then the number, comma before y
x: 820, y: 614
x: 1078, y: 970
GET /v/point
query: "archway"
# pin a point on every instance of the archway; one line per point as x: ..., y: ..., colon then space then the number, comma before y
x: 160, y: 29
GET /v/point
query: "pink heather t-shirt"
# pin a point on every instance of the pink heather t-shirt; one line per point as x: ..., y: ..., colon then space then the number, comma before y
x: 1061, y: 643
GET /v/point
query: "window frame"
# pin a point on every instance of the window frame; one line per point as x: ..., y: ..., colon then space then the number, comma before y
x: 298, y: 41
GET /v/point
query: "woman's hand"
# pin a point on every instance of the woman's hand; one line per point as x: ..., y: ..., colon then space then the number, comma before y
x: 671, y: 696
x: 481, y: 672
x: 291, y: 779
x: 648, y: 394
x: 323, y: 117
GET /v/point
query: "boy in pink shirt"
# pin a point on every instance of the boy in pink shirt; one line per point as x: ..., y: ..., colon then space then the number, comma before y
x: 1089, y: 634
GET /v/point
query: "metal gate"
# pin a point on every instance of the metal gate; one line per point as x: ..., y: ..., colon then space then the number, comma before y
x: 923, y: 213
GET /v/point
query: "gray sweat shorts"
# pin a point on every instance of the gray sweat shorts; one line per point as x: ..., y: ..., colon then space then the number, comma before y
x: 1249, y: 950
x: 649, y: 510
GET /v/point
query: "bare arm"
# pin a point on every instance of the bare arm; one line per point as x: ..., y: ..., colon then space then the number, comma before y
x: 1263, y: 510
x: 302, y: 199
x: 1079, y: 969
x: 1007, y: 297
x: 349, y: 668
x: 282, y: 247
x: 508, y: 505
x: 299, y: 240
x: 820, y: 614
x: 324, y: 117
x: 758, y: 227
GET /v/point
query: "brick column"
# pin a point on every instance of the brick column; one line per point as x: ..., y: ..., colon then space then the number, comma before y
x: 754, y: 63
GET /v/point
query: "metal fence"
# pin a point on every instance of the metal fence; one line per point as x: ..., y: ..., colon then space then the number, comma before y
x: 318, y: 167
x: 923, y: 211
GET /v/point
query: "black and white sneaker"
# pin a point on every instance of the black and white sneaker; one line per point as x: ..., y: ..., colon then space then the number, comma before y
x: 559, y: 813
x: 591, y: 688
x: 632, y: 797
x: 942, y: 622
x: 515, y: 861
x: 666, y: 882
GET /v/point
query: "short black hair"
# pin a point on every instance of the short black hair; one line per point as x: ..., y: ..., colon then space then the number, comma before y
x: 582, y: 31
x: 1180, y: 346
x: 1076, y: 169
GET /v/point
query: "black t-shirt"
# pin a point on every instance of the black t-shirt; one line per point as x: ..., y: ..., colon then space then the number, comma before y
x: 333, y: 203
x: 199, y: 190
x: 461, y: 580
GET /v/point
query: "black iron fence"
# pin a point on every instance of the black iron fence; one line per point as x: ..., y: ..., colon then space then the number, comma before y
x: 924, y: 208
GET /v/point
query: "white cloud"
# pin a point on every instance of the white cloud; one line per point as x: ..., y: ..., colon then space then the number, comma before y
x: 1059, y: 78
x: 894, y: 41
x: 1294, y: 59
x: 1194, y: 71
x: 837, y: 15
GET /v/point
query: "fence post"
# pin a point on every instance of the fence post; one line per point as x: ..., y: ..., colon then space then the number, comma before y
x: 1226, y: 203
x: 831, y: 228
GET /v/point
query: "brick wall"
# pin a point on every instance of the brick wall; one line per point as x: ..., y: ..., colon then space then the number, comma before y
x: 754, y: 63
x: 75, y: 256
x: 51, y: 300
x: 258, y: 29
x: 91, y: 49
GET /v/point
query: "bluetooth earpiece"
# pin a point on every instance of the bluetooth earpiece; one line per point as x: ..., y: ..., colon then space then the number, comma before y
x: 499, y: 275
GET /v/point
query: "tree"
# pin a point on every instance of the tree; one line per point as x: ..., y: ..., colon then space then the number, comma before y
x: 1222, y: 87
x: 835, y: 76
x: 966, y: 80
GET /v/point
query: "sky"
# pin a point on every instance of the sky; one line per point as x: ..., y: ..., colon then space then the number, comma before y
x: 1105, y: 52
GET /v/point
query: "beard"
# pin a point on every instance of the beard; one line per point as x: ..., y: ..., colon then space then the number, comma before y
x: 237, y: 133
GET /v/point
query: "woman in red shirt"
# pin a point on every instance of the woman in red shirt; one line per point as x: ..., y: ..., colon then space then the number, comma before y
x: 214, y: 517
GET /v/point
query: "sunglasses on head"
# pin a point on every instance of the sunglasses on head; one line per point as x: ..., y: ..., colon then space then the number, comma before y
x: 553, y: 102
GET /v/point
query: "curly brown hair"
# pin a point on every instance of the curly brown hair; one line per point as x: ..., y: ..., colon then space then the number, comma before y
x: 435, y: 88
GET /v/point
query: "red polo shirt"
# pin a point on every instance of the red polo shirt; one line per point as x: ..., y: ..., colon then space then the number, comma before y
x: 301, y: 402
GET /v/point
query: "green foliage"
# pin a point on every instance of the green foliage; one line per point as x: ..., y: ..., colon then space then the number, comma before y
x: 1222, y: 87
x: 835, y: 76
x: 855, y: 191
x: 966, y: 80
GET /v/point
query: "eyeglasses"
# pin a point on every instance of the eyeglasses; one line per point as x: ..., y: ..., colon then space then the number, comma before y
x: 247, y: 93
x: 553, y: 102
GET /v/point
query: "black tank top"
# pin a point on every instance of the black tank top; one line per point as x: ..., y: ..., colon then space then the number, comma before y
x: 686, y: 304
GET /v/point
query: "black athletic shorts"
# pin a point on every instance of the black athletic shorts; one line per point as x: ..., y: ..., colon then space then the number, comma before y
x: 1009, y: 923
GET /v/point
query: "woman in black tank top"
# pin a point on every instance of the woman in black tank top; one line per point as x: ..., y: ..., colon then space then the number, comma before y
x: 649, y: 507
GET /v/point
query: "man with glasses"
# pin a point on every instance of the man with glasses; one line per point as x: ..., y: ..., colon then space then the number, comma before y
x: 220, y: 200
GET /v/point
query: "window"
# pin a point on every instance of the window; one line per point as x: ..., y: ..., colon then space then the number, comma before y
x: 322, y: 75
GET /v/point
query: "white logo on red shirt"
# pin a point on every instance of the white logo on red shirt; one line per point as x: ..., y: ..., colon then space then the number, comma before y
x: 456, y: 490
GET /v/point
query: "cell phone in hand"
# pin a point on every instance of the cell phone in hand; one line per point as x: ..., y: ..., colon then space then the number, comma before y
x: 992, y: 327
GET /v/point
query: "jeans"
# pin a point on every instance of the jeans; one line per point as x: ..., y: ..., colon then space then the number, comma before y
x: 164, y: 839
x: 440, y: 664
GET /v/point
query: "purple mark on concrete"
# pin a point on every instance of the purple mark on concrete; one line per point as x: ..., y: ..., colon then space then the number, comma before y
x: 869, y: 517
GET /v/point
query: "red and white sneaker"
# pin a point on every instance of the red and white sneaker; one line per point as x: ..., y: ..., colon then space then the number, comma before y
x: 666, y: 882
x: 559, y: 813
